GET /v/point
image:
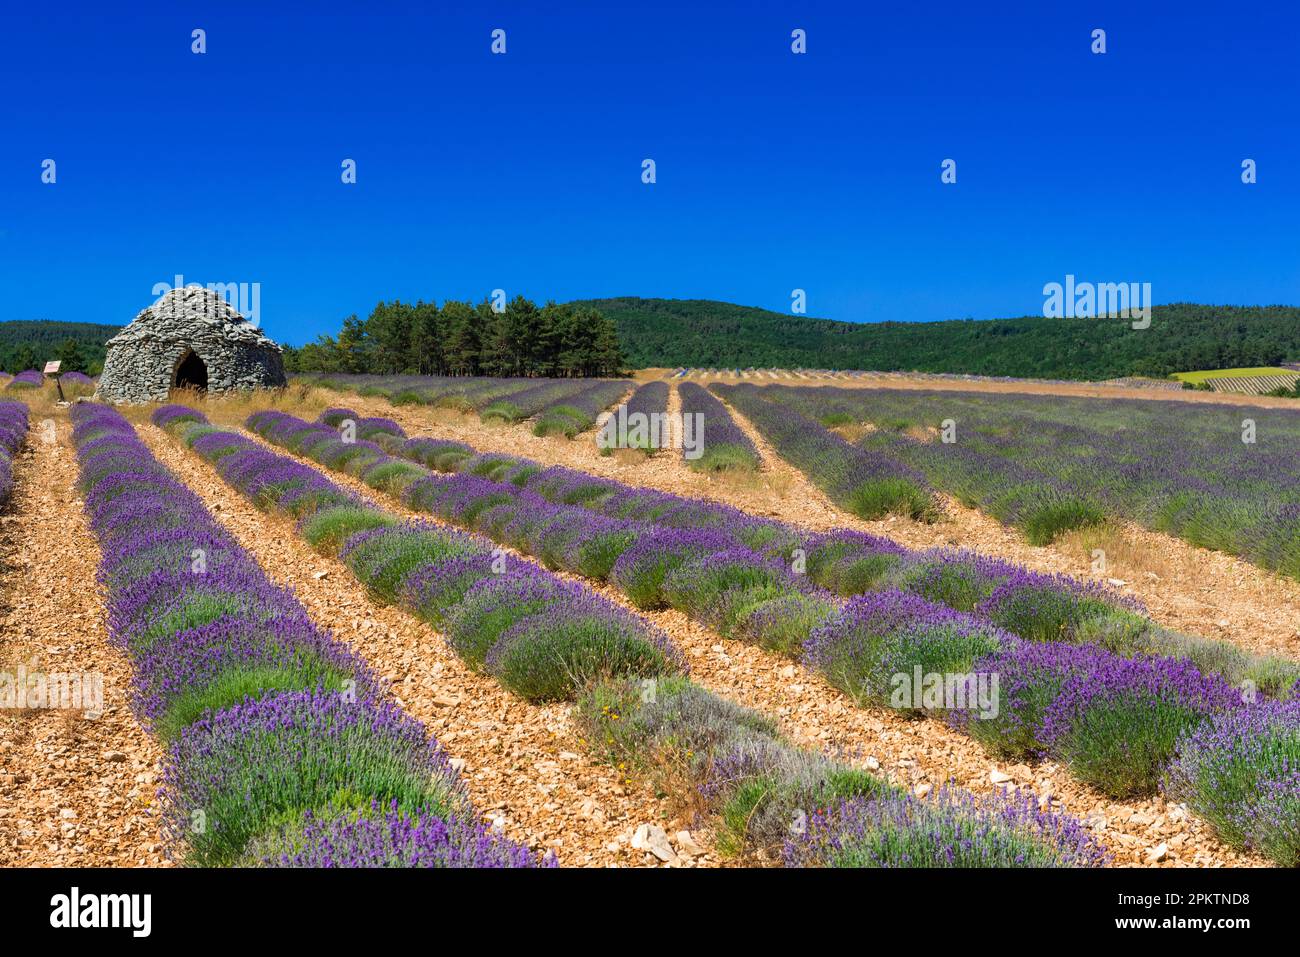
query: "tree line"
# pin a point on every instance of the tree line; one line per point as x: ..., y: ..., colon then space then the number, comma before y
x: 1182, y: 337
x: 26, y: 344
x: 459, y: 338
x: 25, y: 356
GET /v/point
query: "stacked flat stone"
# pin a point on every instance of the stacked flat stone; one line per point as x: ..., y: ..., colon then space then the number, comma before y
x: 143, y: 358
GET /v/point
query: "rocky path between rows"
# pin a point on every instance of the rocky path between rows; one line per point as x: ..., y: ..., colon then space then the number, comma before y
x: 525, y: 769
x: 77, y: 787
x: 1184, y: 587
x: 922, y: 754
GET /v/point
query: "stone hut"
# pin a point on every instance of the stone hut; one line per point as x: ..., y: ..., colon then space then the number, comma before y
x: 189, y: 337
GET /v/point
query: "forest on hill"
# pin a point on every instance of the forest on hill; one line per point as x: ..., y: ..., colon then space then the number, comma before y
x: 29, y: 344
x: 1182, y: 336
x: 602, y: 336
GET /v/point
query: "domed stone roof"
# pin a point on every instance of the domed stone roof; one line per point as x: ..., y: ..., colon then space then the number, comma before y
x: 179, y: 313
x: 191, y: 337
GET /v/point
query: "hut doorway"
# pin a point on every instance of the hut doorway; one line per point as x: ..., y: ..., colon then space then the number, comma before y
x: 191, y: 373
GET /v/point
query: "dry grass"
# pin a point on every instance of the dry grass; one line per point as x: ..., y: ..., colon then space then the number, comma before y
x: 1126, y: 555
x: 763, y: 482
x: 853, y: 432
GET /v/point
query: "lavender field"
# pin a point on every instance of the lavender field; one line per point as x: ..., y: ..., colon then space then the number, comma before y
x: 559, y: 592
x: 1221, y: 477
x: 567, y: 406
x: 1092, y: 682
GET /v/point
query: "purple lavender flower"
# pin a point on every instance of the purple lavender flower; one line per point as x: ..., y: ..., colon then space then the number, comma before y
x: 441, y: 454
x: 723, y: 444
x: 951, y: 829
x: 13, y: 429
x: 241, y: 768
x: 166, y: 416
x: 1042, y: 607
x: 850, y: 563
x: 640, y: 571
x: 877, y: 643
x: 1030, y: 676
x: 1241, y: 772
x: 550, y: 654
x: 27, y: 379
x: 386, y: 836
x: 1118, y: 725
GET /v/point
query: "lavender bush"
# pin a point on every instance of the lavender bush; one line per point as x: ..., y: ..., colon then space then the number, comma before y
x: 950, y: 829
x: 725, y: 758
x: 27, y: 379
x: 724, y: 445
x: 1043, y: 607
x: 874, y: 639
x: 641, y: 570
x: 650, y: 399
x: 1241, y: 772
x: 387, y: 837
x: 577, y: 413
x: 867, y: 484
x: 554, y: 653
x: 1030, y: 678
x: 238, y: 771
x: 1118, y: 725
x: 13, y: 429
x: 526, y: 402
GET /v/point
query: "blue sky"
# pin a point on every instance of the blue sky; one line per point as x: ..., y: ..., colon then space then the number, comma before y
x: 523, y: 171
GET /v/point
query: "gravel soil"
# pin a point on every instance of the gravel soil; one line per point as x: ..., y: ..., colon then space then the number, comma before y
x: 77, y: 788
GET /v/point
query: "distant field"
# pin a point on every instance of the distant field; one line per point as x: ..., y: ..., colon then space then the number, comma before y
x: 1252, y: 381
x: 1047, y: 464
x: 1198, y: 377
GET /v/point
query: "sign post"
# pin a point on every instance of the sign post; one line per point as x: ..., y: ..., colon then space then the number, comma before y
x: 52, y: 368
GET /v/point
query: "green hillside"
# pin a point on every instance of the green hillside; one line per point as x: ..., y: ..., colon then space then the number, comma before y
x: 705, y: 333
x: 28, y: 344
x: 699, y: 332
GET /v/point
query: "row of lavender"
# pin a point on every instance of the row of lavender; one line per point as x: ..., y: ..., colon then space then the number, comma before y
x: 541, y: 637
x: 27, y: 379
x: 78, y: 382
x: 732, y: 761
x: 576, y: 413
x: 567, y: 406
x: 1083, y: 686
x: 865, y: 483
x: 281, y: 746
x: 557, y: 406
x: 723, y: 445
x: 13, y: 429
x: 776, y: 800
x: 1219, y: 477
x: 846, y: 563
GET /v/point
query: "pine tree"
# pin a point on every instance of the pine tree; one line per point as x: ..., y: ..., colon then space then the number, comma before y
x: 427, y: 335
x: 24, y: 358
x: 496, y: 348
x: 70, y: 357
x: 353, y: 346
x: 389, y: 330
x: 461, y: 325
